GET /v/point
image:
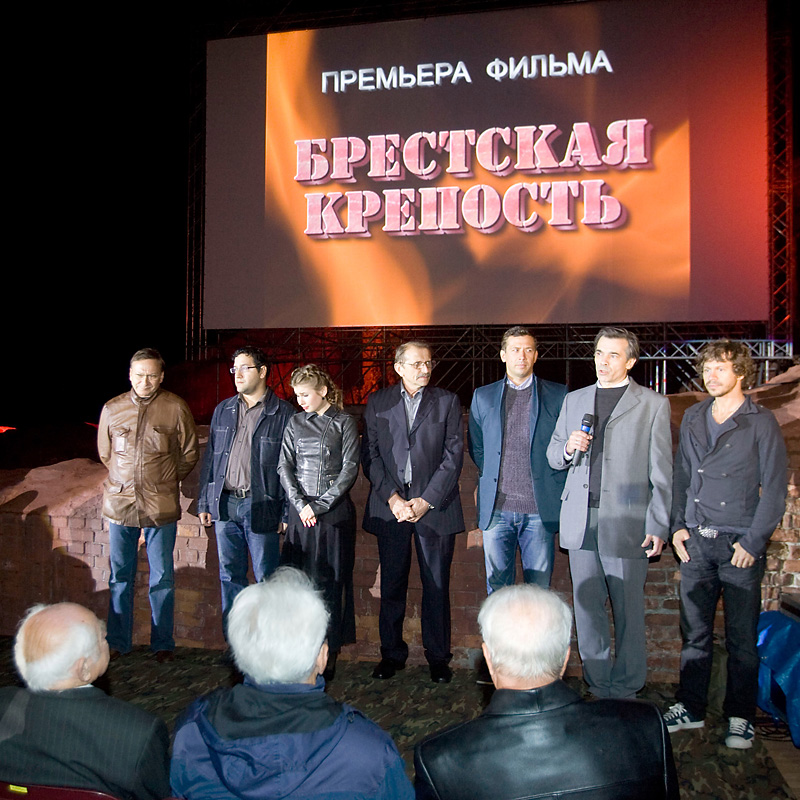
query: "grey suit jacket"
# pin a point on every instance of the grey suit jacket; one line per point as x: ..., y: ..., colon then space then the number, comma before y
x: 636, y: 485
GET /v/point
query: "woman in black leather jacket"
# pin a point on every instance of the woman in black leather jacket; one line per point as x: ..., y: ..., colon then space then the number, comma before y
x: 318, y: 465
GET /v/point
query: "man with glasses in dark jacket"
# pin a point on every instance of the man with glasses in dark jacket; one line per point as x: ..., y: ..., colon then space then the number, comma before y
x: 240, y: 491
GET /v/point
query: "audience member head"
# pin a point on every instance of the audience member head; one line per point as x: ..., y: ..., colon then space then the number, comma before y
x: 60, y: 646
x: 277, y: 629
x: 526, y: 632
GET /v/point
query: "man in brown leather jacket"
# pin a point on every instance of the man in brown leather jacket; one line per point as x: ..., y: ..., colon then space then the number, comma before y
x: 147, y: 439
x: 538, y: 738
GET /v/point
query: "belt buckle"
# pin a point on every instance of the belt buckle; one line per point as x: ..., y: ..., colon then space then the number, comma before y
x: 707, y: 533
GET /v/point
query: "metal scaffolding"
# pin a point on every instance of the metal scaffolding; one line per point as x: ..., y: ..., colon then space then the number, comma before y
x: 361, y: 359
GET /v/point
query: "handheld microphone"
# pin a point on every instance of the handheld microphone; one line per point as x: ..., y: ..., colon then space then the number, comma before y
x: 587, y: 423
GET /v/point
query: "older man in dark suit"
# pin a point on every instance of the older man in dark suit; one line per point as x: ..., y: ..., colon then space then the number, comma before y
x: 412, y: 453
x: 61, y: 730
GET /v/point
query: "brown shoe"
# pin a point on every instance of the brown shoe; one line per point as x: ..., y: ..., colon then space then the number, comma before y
x: 113, y: 655
x: 163, y: 656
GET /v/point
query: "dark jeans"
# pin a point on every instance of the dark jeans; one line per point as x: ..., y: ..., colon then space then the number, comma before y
x: 708, y: 574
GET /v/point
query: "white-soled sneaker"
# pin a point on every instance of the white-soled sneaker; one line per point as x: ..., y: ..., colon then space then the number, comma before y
x: 679, y: 719
x: 740, y: 734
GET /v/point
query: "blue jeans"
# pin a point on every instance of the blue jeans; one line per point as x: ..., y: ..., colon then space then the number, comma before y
x: 235, y: 538
x: 160, y: 542
x: 704, y: 577
x: 508, y: 530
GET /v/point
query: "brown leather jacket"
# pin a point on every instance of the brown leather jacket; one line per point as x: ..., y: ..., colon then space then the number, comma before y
x: 149, y: 446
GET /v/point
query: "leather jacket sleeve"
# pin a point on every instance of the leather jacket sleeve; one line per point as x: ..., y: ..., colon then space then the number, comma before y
x: 287, y: 467
x: 348, y: 447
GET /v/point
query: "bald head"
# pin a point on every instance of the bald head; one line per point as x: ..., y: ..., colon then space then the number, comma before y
x: 60, y: 646
x: 526, y: 633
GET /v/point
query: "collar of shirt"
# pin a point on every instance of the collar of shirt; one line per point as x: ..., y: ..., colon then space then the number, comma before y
x: 615, y: 386
x: 243, y: 403
x: 144, y: 401
x: 330, y: 411
x: 524, y: 385
x: 415, y: 398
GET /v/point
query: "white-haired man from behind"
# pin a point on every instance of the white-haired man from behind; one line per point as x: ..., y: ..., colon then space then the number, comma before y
x: 278, y: 734
x: 537, y: 737
x: 61, y: 730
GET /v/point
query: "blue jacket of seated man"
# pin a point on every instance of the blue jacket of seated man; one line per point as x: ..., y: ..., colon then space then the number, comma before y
x: 292, y: 741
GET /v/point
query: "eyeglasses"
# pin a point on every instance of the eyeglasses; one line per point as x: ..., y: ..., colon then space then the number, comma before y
x: 419, y: 364
x: 243, y: 369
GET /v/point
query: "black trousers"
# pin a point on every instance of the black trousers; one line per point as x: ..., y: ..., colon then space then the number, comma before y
x: 434, y: 556
x: 704, y: 577
x: 326, y: 553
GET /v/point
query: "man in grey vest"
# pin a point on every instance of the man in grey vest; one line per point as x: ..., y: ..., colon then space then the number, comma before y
x: 519, y: 493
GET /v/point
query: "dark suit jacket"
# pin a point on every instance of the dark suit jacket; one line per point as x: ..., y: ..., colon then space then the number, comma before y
x: 82, y: 738
x: 548, y: 743
x: 436, y: 441
x: 486, y: 425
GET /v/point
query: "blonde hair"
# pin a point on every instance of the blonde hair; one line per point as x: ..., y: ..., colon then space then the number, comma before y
x: 318, y: 378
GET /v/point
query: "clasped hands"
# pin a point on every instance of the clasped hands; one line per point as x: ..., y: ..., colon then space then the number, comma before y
x: 412, y: 510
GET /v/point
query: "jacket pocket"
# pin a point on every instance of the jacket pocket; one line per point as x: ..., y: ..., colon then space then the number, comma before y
x: 162, y: 438
x: 113, y: 487
x: 119, y: 439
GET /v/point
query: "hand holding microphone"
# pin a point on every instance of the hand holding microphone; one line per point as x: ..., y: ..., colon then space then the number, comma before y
x: 580, y: 440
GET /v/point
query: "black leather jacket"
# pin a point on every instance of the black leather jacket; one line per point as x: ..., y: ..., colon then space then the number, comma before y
x: 319, y: 459
x: 548, y: 743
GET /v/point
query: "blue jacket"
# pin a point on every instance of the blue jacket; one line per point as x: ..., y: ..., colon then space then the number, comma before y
x: 486, y: 424
x: 267, y: 493
x: 288, y: 741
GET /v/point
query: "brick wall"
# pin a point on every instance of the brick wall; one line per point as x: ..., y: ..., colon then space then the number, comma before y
x: 55, y: 547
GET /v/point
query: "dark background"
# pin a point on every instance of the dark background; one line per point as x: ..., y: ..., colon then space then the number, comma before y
x: 98, y: 104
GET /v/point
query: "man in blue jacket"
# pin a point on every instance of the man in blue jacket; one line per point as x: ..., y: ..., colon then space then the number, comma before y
x: 279, y: 734
x: 239, y: 486
x: 519, y: 494
x: 728, y: 495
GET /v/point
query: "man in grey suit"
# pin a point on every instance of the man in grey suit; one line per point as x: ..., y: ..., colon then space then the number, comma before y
x: 615, y: 509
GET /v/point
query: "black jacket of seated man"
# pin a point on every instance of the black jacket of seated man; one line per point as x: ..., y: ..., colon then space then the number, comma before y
x: 83, y: 738
x: 548, y: 743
